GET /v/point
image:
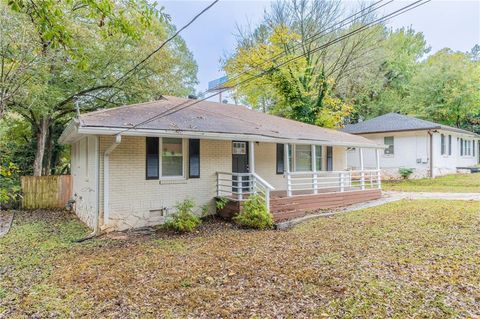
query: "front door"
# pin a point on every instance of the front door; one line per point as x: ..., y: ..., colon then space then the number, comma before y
x: 240, y: 165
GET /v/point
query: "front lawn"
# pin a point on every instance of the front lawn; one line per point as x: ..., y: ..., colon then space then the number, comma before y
x: 405, y: 259
x: 458, y: 183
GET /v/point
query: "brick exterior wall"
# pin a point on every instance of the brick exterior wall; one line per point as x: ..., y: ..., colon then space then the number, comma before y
x: 138, y: 202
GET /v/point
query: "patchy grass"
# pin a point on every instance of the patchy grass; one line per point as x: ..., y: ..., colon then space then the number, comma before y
x: 405, y: 259
x: 458, y: 183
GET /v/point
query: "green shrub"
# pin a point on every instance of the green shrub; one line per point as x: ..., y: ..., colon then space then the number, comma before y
x: 184, y: 219
x: 254, y: 214
x: 405, y: 172
x: 9, y: 186
x: 221, y: 202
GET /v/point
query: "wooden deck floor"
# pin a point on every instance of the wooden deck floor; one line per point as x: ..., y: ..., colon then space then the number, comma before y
x: 284, y: 208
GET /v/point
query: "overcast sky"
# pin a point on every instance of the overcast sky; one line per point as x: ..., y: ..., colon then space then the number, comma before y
x: 454, y: 24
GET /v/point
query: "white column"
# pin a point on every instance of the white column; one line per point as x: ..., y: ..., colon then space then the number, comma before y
x: 286, y: 163
x: 251, y: 164
x: 251, y: 156
x: 314, y: 169
x: 362, y: 172
x: 379, y: 174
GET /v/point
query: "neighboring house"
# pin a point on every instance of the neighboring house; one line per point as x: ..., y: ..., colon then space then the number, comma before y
x: 429, y: 148
x: 127, y: 175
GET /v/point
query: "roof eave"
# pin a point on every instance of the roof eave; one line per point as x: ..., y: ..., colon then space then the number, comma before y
x: 69, y: 134
x: 90, y: 130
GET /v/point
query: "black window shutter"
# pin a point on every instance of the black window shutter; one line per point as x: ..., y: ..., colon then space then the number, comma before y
x: 194, y: 158
x: 152, y: 158
x: 280, y: 159
x: 329, y: 158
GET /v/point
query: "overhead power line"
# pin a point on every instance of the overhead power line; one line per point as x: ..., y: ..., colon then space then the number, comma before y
x: 188, y: 103
x: 161, y: 46
x: 317, y: 35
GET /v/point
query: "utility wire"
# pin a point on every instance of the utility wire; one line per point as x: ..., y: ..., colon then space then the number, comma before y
x: 185, y: 104
x: 335, y: 27
x: 136, y: 66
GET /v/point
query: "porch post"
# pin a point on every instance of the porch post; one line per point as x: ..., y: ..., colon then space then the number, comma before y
x: 286, y: 162
x: 379, y: 174
x: 251, y: 164
x: 251, y: 156
x: 362, y: 172
x: 314, y: 169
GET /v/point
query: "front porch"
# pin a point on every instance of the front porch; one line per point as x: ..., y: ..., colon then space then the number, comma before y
x: 301, y: 191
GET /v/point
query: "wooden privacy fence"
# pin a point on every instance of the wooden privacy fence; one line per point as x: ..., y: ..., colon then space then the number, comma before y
x: 46, y: 191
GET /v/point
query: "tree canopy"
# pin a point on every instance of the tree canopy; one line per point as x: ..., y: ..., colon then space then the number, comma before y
x: 73, y: 55
x: 330, y: 83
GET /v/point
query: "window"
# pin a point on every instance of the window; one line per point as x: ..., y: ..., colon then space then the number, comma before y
x: 388, y: 141
x: 303, y: 158
x: 461, y: 147
x: 172, y: 157
x: 449, y: 145
x: 280, y: 158
x: 152, y: 158
x: 239, y: 148
x: 194, y: 158
x: 318, y: 157
x: 443, y: 147
x: 474, y: 147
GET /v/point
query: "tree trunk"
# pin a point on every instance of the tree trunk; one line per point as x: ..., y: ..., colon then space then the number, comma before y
x: 40, y: 152
x: 49, y: 153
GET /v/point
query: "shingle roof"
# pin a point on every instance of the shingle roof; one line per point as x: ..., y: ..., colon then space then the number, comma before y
x: 394, y: 122
x: 212, y: 117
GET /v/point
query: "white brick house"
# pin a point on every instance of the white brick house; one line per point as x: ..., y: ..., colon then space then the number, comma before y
x: 127, y: 175
x: 430, y: 149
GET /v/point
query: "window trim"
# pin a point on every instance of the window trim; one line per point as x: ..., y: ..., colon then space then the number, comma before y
x: 160, y: 145
x: 295, y: 156
x: 393, y: 146
x: 160, y: 150
x: 293, y: 160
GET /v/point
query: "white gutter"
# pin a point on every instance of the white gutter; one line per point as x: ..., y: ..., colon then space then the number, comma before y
x: 106, y: 179
x: 220, y: 136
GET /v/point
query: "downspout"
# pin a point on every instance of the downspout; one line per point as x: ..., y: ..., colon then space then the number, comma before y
x: 430, y: 134
x: 106, y: 180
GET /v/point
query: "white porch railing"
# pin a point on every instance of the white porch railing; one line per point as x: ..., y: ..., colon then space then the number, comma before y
x: 331, y: 181
x: 240, y: 185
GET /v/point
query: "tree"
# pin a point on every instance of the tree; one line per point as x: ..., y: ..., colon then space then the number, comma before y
x: 385, y: 87
x: 82, y: 51
x: 308, y: 88
x: 17, y: 55
x: 446, y: 89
